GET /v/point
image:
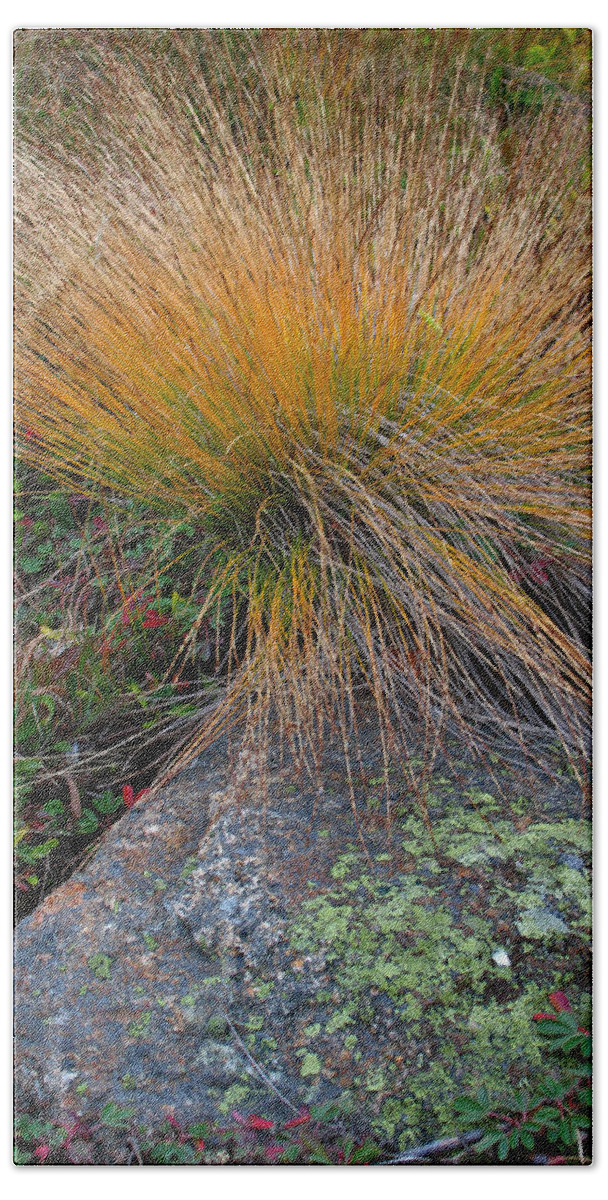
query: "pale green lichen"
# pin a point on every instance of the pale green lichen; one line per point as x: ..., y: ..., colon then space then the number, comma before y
x: 395, y: 938
x: 311, y: 1065
x: 235, y: 1094
x: 255, y: 1022
x: 139, y: 1027
x: 100, y: 965
x: 262, y: 988
x: 311, y: 1031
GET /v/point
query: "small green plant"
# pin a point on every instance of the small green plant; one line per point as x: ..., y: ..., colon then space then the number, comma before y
x: 315, y: 1135
x: 556, y: 1114
x: 98, y: 620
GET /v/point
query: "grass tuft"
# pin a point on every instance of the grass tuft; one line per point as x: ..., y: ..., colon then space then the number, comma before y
x: 313, y: 292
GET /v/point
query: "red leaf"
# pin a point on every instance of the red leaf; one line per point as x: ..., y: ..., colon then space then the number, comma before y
x: 42, y: 1153
x: 560, y: 1001
x: 99, y: 524
x: 152, y: 619
x: 180, y: 684
x: 273, y: 1152
x: 127, y: 796
x: 144, y: 792
x: 259, y: 1123
x: 199, y: 1145
x: 544, y: 1017
x: 301, y: 1120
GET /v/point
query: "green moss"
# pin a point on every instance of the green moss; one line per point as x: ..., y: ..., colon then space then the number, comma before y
x: 262, y: 988
x: 217, y: 1027
x: 340, y: 1019
x: 139, y: 1027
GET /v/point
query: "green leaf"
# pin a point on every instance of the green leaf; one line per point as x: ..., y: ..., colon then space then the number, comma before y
x: 581, y: 1121
x: 550, y: 1114
x: 503, y: 1149
x: 107, y: 803
x: 60, y: 510
x: 325, y: 1112
x: 566, y: 1134
x: 31, y: 1129
x: 200, y: 1130
x: 471, y: 1110
x: 21, y: 1157
x: 169, y: 1153
x: 319, y: 1155
x: 30, y: 854
x: 116, y: 1117
x: 368, y: 1152
x: 290, y: 1154
x: 88, y: 822
x: 527, y: 1139
x: 54, y: 808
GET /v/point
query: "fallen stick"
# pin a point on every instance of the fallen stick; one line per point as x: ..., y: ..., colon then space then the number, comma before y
x: 419, y: 1152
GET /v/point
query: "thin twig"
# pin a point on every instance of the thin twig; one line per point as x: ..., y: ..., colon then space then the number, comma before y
x: 257, y: 1066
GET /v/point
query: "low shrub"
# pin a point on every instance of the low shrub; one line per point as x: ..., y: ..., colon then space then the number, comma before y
x: 557, y: 1115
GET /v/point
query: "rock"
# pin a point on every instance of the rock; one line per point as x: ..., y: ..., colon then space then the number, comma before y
x: 140, y: 980
x: 174, y: 975
x: 104, y: 971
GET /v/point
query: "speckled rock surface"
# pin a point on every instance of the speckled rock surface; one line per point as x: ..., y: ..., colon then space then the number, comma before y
x: 166, y: 975
x: 134, y: 979
x: 103, y: 966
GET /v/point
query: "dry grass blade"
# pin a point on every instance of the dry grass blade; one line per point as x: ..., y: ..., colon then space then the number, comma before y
x: 309, y: 299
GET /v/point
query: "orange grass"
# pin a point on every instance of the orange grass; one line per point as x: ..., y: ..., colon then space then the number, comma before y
x: 309, y: 293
